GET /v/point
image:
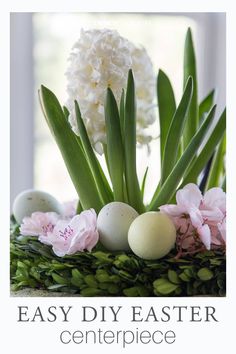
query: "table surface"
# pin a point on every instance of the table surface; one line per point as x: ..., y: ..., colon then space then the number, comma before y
x: 27, y: 292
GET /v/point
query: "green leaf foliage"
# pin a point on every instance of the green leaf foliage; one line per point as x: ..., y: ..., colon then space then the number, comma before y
x: 115, y: 153
x: 205, y: 274
x: 175, y: 132
x: 207, y: 150
x: 102, y: 273
x: 206, y: 104
x: 166, y: 107
x: 100, y: 179
x: 217, y: 166
x: 169, y: 187
x: 72, y: 153
x: 190, y: 70
x: 144, y: 182
x: 133, y: 189
x: 223, y: 185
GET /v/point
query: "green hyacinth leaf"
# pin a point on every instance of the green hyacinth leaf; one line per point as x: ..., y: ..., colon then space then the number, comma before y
x: 205, y: 105
x: 115, y: 150
x: 132, y: 184
x: 190, y: 70
x: 217, y: 166
x: 168, y: 189
x: 100, y: 179
x: 175, y: 131
x: 79, y: 208
x: 71, y: 151
x: 166, y: 107
x: 144, y: 181
x: 223, y: 185
x: 207, y: 151
x: 66, y: 112
x: 122, y: 114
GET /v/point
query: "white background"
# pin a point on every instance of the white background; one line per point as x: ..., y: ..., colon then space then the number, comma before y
x: 191, y: 337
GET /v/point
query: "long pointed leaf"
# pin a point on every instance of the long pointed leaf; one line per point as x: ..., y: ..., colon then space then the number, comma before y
x: 223, y: 185
x: 190, y: 70
x: 79, y: 208
x: 132, y: 184
x: 122, y: 114
x: 206, y: 105
x: 92, y: 160
x: 71, y: 151
x: 166, y: 107
x: 144, y: 182
x: 217, y: 167
x: 175, y: 131
x: 66, y: 112
x: 114, y: 146
x: 106, y: 157
x: 207, y: 151
x: 172, y: 182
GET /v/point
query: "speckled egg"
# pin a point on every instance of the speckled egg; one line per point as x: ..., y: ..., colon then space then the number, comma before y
x: 29, y: 201
x: 113, y: 224
x: 152, y: 235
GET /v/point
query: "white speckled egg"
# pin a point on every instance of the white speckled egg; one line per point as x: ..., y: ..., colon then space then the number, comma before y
x: 113, y: 224
x: 29, y: 201
x: 152, y: 235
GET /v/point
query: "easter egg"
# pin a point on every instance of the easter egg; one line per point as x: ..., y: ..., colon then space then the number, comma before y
x: 152, y: 235
x: 113, y: 223
x: 29, y: 201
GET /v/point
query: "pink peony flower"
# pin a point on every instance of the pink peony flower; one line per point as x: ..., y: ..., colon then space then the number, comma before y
x: 76, y: 235
x: 198, y: 218
x: 38, y: 223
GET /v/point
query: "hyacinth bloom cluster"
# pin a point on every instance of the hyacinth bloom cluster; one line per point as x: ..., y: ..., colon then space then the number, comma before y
x: 101, y: 59
x: 67, y: 234
x: 200, y: 220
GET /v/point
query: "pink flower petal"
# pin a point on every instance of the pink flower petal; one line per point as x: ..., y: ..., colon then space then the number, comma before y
x: 196, y: 217
x: 189, y: 196
x: 172, y: 209
x: 75, y: 235
x: 69, y: 209
x: 38, y: 223
x: 215, y: 197
x: 205, y: 236
x: 213, y: 216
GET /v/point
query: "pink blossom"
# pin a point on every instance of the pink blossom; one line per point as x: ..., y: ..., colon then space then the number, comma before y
x: 76, y: 235
x: 38, y: 223
x: 69, y: 208
x: 198, y: 218
x: 213, y: 207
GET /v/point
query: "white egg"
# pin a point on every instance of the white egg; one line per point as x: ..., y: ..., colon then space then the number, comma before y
x: 113, y: 224
x: 152, y: 235
x: 29, y: 201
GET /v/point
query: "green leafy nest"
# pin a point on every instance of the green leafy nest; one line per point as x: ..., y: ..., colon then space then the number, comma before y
x: 102, y: 273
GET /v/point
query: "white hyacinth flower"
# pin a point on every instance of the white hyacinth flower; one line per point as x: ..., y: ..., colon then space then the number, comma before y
x: 101, y: 59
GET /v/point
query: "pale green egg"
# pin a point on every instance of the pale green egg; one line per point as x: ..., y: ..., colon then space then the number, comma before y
x: 152, y: 235
x: 113, y: 224
x: 29, y: 201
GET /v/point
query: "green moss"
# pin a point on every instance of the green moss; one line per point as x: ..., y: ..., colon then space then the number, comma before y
x: 101, y: 273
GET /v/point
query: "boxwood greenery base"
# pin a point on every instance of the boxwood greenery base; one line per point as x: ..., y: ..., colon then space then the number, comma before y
x: 102, y: 273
